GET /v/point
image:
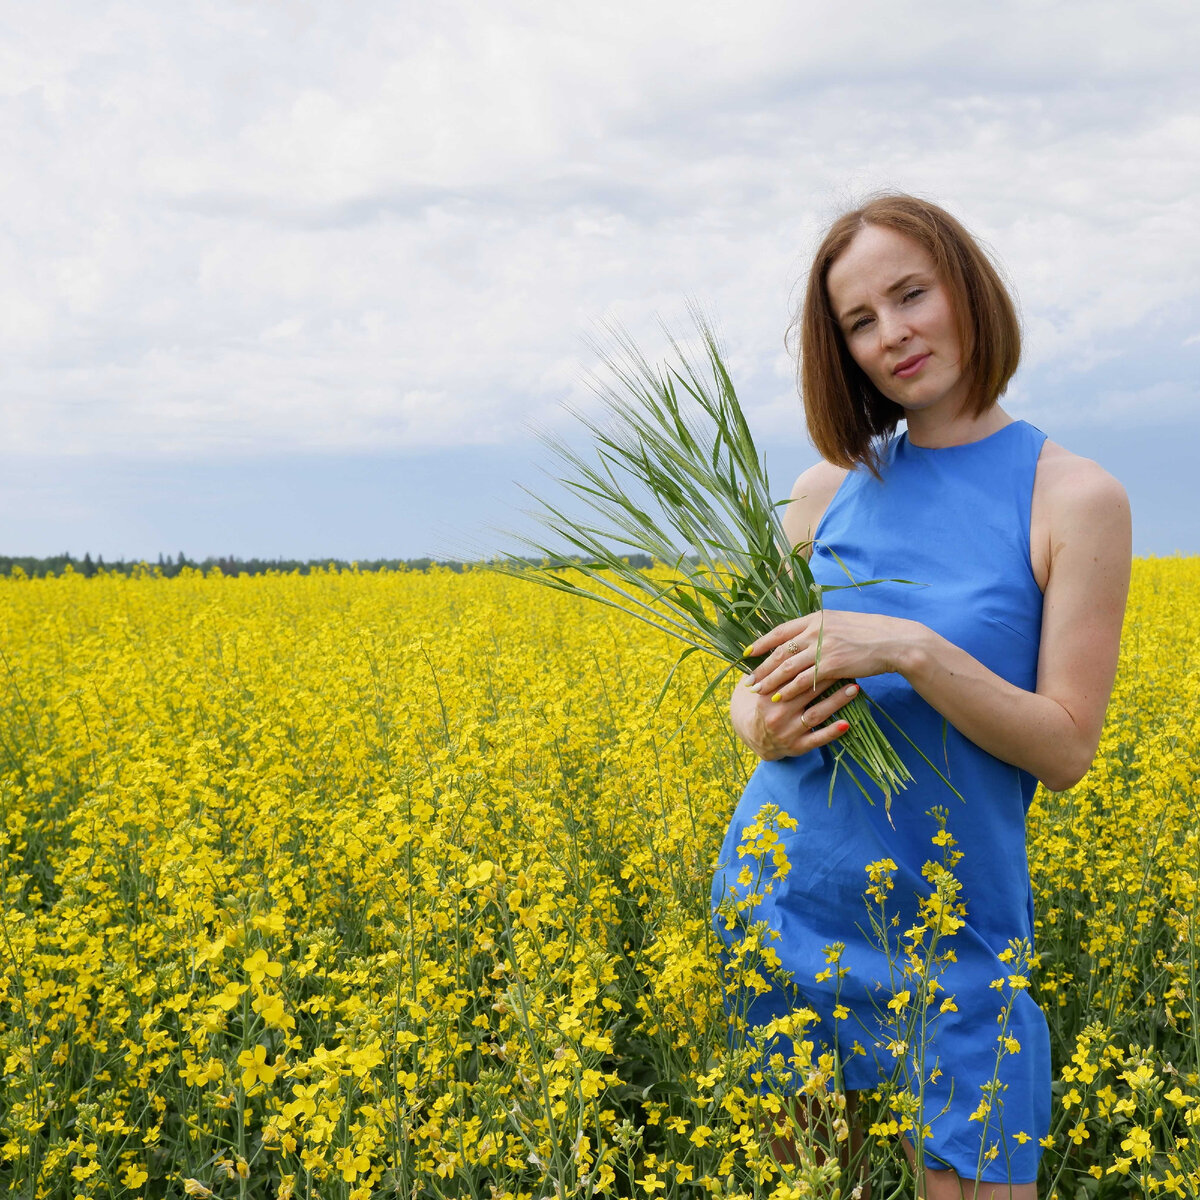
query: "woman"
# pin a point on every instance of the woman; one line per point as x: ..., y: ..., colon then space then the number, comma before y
x: 997, y: 660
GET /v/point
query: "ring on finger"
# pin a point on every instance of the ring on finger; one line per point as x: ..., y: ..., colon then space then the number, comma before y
x: 804, y: 720
x: 792, y: 647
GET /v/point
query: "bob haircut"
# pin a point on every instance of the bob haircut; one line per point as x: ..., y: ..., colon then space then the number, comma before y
x: 846, y: 414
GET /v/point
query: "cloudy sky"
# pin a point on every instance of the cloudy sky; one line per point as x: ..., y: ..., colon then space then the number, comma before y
x: 283, y: 278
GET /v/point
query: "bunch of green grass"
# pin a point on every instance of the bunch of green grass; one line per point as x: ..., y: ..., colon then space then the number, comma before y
x: 677, y: 436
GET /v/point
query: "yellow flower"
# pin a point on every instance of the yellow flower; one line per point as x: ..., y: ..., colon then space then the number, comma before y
x: 259, y: 966
x: 270, y: 1008
x: 1138, y: 1143
x: 228, y: 997
x: 364, y: 1060
x: 350, y: 1163
x: 256, y: 1067
x: 304, y: 1105
x: 479, y: 873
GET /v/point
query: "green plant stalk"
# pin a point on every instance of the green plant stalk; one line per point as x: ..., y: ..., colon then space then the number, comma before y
x: 677, y: 434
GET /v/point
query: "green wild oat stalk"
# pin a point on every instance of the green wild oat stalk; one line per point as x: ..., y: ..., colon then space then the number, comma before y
x: 677, y: 434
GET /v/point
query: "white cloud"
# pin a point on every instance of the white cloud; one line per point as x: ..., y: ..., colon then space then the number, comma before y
x: 1159, y: 404
x: 289, y: 226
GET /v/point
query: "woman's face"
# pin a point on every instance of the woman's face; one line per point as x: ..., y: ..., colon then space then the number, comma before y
x: 894, y: 312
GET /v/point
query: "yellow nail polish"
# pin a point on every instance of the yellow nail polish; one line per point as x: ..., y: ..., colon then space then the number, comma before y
x: 747, y: 649
x: 776, y: 698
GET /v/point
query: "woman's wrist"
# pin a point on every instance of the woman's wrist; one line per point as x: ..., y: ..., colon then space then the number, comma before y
x: 913, y: 650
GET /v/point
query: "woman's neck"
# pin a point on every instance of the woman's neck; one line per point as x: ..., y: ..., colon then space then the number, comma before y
x: 935, y: 431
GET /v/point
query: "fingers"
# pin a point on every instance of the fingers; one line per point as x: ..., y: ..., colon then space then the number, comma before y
x: 819, y: 712
x: 795, y: 727
x: 804, y: 685
x: 801, y: 739
x: 829, y: 733
x: 793, y: 674
x: 782, y: 665
x: 770, y: 643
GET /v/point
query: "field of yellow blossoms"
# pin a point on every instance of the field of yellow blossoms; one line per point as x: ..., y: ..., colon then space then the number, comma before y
x: 355, y: 885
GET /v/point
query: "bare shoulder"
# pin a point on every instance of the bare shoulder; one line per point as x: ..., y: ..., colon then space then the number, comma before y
x: 1078, y: 507
x: 811, y: 494
x: 1068, y: 486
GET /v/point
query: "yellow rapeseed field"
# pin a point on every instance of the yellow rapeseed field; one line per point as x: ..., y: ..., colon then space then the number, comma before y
x: 353, y: 885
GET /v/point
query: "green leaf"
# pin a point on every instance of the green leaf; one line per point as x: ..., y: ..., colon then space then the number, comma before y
x: 676, y: 435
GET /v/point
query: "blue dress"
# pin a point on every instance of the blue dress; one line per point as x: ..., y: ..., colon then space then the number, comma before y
x: 955, y: 521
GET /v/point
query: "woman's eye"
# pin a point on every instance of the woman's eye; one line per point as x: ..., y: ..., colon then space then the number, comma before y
x: 913, y: 293
x: 861, y: 323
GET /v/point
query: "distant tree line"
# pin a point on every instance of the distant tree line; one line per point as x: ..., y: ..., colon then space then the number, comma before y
x: 168, y: 566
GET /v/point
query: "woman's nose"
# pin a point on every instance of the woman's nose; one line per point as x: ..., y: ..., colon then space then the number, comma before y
x: 893, y: 329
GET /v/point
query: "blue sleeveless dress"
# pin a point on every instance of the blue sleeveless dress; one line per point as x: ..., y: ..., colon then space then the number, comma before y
x: 955, y: 521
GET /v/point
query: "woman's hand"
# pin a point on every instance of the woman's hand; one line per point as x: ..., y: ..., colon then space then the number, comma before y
x: 807, y: 655
x: 787, y: 728
x: 779, y: 712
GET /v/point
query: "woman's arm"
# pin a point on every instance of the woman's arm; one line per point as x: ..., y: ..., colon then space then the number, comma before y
x: 778, y: 730
x: 811, y: 494
x: 1051, y: 732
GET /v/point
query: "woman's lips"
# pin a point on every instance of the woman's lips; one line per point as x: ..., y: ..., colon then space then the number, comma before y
x: 910, y: 366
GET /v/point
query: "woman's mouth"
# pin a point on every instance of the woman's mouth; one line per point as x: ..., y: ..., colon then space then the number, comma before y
x: 910, y: 366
